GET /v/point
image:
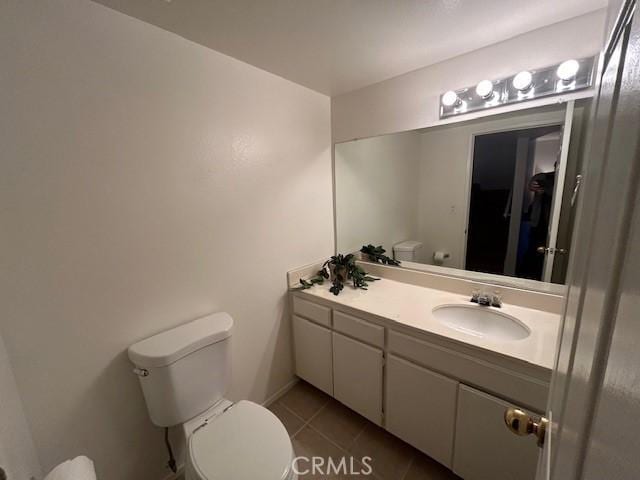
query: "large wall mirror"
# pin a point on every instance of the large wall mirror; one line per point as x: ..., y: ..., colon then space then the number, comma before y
x: 492, y: 198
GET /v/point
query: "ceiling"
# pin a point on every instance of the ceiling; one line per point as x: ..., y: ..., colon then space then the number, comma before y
x: 335, y: 46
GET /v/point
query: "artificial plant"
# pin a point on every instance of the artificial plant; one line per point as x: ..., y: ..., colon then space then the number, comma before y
x: 339, y: 269
x: 376, y: 255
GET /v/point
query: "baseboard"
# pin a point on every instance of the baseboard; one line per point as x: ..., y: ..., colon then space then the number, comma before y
x: 273, y: 398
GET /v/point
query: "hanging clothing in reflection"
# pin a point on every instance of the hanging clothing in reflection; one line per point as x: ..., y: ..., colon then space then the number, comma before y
x: 534, y: 228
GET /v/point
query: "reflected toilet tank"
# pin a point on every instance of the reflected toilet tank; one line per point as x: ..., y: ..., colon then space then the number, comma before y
x: 407, y: 251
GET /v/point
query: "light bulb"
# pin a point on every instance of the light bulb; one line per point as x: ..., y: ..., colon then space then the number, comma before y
x: 450, y: 98
x: 484, y: 89
x: 568, y: 69
x: 522, y: 81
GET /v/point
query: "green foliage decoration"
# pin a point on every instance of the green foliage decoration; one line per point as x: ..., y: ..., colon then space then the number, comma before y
x: 376, y: 255
x: 339, y: 269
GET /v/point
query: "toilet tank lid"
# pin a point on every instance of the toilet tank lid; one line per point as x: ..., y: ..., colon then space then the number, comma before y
x: 169, y: 346
x: 407, y: 246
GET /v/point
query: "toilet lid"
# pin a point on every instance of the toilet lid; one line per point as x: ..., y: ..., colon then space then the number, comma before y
x: 247, y: 442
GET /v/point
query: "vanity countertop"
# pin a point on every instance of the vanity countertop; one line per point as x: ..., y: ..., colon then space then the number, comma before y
x: 410, y: 307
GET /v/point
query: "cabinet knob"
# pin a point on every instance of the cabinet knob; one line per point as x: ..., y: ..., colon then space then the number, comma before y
x: 521, y: 423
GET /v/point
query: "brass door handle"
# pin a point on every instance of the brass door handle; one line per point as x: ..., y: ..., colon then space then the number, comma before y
x: 521, y: 423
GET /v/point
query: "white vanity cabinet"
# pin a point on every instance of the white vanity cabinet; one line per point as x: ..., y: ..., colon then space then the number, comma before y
x: 357, y: 376
x: 418, y: 388
x: 313, y: 353
x: 358, y: 362
x: 421, y: 408
x: 484, y: 448
x: 312, y: 344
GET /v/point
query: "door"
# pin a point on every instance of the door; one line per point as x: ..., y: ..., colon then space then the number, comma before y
x: 357, y: 376
x: 550, y: 250
x: 516, y: 177
x: 484, y: 448
x: 594, y: 359
x: 421, y: 408
x: 312, y: 348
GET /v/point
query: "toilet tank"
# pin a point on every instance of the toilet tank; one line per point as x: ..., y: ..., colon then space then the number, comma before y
x: 407, y: 251
x: 185, y: 370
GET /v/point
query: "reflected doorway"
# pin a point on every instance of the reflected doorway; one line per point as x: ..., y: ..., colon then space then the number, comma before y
x: 513, y: 184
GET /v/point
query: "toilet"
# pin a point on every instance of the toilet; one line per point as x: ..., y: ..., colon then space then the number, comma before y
x: 184, y: 373
x: 407, y: 251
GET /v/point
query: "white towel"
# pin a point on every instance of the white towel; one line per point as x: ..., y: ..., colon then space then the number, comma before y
x: 80, y: 468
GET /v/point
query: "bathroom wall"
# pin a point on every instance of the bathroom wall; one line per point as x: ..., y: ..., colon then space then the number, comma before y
x: 18, y: 455
x: 377, y: 191
x: 411, y: 101
x: 146, y: 181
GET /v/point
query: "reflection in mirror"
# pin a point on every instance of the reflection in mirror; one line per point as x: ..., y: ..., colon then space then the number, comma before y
x: 493, y: 195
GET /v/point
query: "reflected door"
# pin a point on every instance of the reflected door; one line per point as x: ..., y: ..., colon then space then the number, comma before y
x: 511, y: 208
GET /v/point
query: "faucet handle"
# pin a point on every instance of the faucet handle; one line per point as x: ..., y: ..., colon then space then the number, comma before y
x: 475, y: 294
x: 496, y: 299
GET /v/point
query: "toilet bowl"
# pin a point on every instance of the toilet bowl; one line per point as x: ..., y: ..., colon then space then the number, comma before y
x: 238, y: 442
x: 184, y: 373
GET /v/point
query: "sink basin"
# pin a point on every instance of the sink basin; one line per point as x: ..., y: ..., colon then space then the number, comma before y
x: 483, y: 322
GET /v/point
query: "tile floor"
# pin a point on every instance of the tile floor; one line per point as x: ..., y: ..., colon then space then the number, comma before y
x: 320, y: 426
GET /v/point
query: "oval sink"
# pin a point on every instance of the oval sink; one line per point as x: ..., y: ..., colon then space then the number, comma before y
x: 481, y: 322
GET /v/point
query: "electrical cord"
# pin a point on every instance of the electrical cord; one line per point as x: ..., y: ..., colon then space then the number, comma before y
x: 172, y: 461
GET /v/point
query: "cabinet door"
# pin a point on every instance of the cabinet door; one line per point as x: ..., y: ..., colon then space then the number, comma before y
x: 485, y: 448
x: 357, y: 376
x: 312, y: 345
x: 421, y: 408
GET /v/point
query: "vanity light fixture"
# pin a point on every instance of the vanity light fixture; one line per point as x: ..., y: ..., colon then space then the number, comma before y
x: 450, y: 99
x: 523, y: 81
x: 559, y: 79
x: 484, y: 89
x: 567, y: 70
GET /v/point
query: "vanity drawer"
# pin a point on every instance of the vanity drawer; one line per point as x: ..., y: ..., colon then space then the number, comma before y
x: 359, y: 329
x: 312, y: 311
x: 522, y: 389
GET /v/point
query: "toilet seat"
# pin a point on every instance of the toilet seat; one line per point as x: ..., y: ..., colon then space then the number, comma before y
x: 246, y: 442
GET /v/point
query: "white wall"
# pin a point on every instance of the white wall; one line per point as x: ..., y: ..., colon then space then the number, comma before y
x: 377, y: 191
x: 146, y: 180
x: 410, y: 101
x: 546, y: 152
x: 18, y: 455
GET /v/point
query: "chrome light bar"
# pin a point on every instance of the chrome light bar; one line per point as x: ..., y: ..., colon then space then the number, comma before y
x: 568, y: 76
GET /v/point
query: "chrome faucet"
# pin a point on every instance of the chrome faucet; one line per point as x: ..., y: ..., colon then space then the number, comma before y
x: 486, y: 299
